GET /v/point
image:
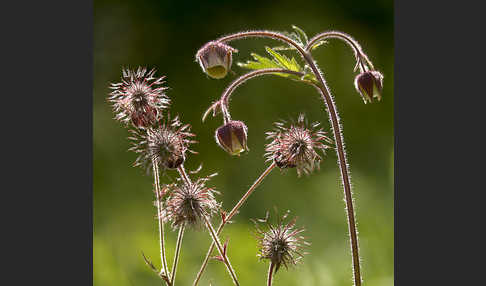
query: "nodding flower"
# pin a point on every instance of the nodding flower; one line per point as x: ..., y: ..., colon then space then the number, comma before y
x: 139, y: 98
x: 369, y: 85
x: 215, y: 59
x: 280, y: 243
x: 189, y: 202
x: 232, y: 137
x: 167, y: 144
x: 296, y: 146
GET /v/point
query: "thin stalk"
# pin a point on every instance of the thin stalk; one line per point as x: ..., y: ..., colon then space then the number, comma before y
x: 358, y: 51
x: 177, y: 253
x: 230, y: 215
x: 159, y: 216
x: 221, y: 251
x: 229, y: 90
x: 270, y: 274
x: 343, y: 166
x: 184, y: 176
x: 262, y: 34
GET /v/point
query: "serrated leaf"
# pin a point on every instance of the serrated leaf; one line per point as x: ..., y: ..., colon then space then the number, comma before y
x: 302, y: 35
x: 283, y: 61
x: 279, y: 61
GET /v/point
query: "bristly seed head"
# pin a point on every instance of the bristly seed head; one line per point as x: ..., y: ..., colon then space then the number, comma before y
x: 369, y: 85
x: 232, y: 137
x: 281, y: 243
x: 139, y: 98
x: 215, y: 59
x: 167, y: 143
x: 188, y: 203
x: 296, y: 146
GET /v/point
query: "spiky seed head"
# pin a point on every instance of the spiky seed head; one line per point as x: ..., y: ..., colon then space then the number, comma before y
x: 167, y: 144
x: 232, y: 137
x: 281, y: 243
x: 369, y: 85
x: 139, y: 98
x: 296, y: 146
x: 189, y: 202
x: 215, y: 59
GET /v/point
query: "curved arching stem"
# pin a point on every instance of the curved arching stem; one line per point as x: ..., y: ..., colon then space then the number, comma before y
x: 229, y: 90
x: 262, y: 34
x: 358, y: 51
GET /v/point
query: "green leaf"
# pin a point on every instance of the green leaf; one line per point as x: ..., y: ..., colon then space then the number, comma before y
x: 281, y: 61
x: 302, y: 36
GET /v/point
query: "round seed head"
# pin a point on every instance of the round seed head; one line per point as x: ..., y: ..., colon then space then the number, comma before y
x: 232, y: 137
x: 281, y: 243
x: 297, y: 146
x: 139, y: 98
x: 188, y: 203
x: 167, y: 144
x: 369, y: 85
x: 215, y: 59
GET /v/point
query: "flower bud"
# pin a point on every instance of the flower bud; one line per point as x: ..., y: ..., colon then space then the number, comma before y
x: 232, y: 137
x: 215, y: 59
x: 370, y: 85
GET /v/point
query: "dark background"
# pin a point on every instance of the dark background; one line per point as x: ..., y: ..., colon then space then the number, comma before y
x: 166, y: 35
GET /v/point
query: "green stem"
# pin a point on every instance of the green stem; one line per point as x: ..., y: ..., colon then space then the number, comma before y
x: 177, y: 253
x: 164, y: 268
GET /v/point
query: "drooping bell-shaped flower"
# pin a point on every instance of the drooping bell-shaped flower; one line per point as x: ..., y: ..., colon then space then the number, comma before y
x: 215, y: 59
x: 232, y: 137
x: 369, y: 85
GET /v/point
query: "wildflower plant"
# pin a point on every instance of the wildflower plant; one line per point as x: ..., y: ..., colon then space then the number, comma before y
x: 162, y: 144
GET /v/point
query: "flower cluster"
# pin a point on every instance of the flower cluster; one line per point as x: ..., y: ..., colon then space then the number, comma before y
x: 296, y: 146
x: 280, y: 243
x: 189, y: 202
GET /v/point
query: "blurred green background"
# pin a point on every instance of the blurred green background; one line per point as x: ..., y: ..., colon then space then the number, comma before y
x: 166, y: 35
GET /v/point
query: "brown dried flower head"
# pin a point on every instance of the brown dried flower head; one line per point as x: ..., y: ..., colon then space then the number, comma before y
x: 232, y: 137
x: 369, y: 85
x: 167, y: 143
x: 189, y: 202
x: 139, y: 98
x: 215, y: 59
x: 296, y: 146
x: 280, y: 243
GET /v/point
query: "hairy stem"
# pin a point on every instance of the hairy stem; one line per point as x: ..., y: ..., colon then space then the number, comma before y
x: 177, y: 253
x: 270, y: 274
x: 183, y: 174
x: 343, y: 166
x: 229, y: 90
x: 230, y: 215
x: 262, y: 34
x: 221, y: 251
x: 347, y: 39
x: 164, y: 268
